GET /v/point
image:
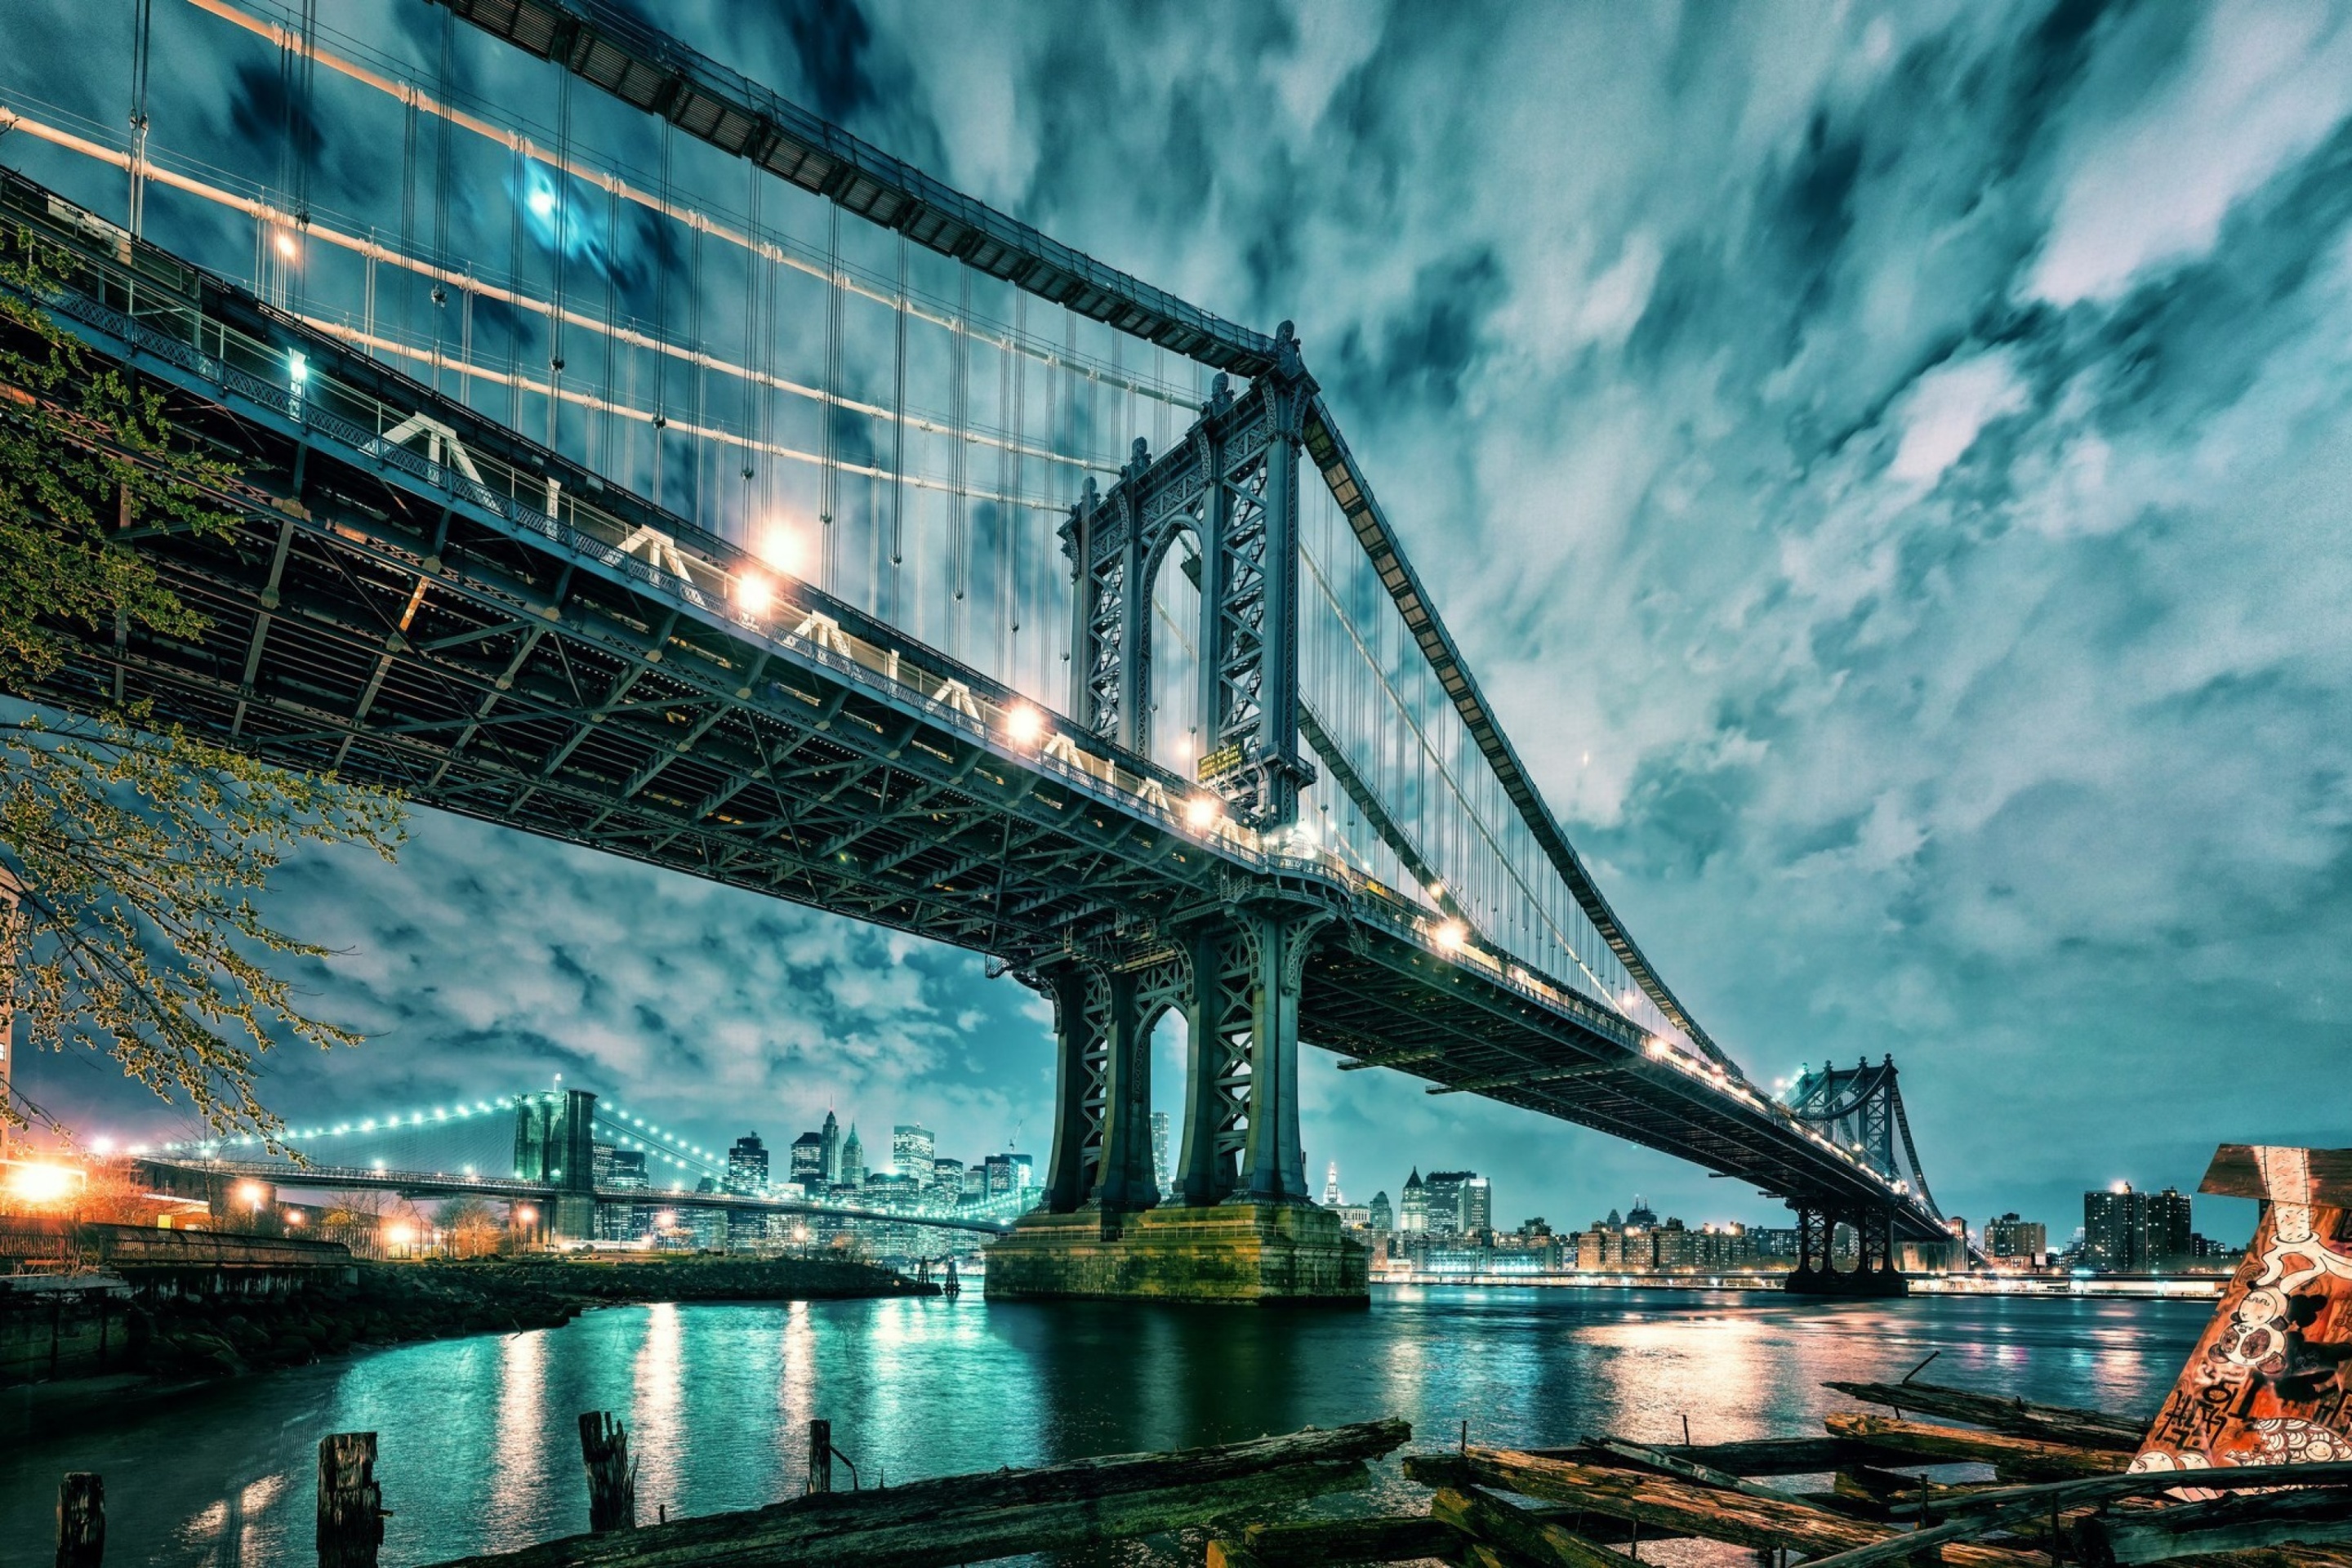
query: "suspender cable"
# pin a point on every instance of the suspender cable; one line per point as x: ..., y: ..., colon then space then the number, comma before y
x: 514, y: 269
x: 828, y: 477
x: 694, y: 341
x: 407, y: 205
x: 607, y: 454
x: 899, y: 418
x: 562, y: 247
x: 661, y: 327
x: 141, y: 26
x: 751, y: 337
x: 441, y: 215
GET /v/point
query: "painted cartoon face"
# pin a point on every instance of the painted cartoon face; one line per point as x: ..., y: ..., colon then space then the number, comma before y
x: 2256, y: 1337
x: 2288, y: 1440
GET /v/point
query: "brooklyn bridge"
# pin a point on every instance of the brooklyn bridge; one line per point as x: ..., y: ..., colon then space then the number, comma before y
x: 927, y: 571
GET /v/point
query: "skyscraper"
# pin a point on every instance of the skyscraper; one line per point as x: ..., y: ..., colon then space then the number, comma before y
x: 1444, y: 1201
x: 1331, y: 1198
x: 829, y: 1142
x: 1382, y: 1217
x: 853, y: 1158
x: 1159, y: 1155
x: 1477, y: 1205
x: 912, y: 1149
x: 1412, y: 1209
x: 2011, y: 1238
x: 947, y: 1182
x: 747, y: 1166
x: 808, y: 1160
x: 1640, y: 1214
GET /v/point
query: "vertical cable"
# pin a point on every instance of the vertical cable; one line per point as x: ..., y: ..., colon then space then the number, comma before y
x: 752, y: 334
x: 899, y: 422
x: 661, y: 323
x: 141, y: 27
x: 830, y: 409
x: 561, y: 177
x: 441, y: 210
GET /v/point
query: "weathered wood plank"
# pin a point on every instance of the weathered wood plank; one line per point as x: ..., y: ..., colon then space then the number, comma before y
x: 2006, y: 1506
x: 2224, y: 1524
x: 82, y: 1521
x: 612, y: 1479
x: 1516, y: 1532
x: 953, y: 1518
x: 1676, y: 1507
x: 1315, y: 1544
x: 1751, y: 1457
x: 351, y: 1505
x: 1690, y: 1470
x: 2024, y: 1457
x: 2049, y: 1423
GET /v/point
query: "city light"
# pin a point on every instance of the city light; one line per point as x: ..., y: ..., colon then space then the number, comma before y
x: 1024, y: 724
x: 252, y: 1194
x: 755, y: 595
x: 33, y: 1182
x: 1200, y: 813
x: 526, y: 1215
x: 1451, y: 935
x: 102, y: 1145
x: 401, y: 1234
x: 285, y: 245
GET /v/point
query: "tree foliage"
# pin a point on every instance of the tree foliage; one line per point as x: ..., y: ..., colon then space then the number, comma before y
x: 134, y: 849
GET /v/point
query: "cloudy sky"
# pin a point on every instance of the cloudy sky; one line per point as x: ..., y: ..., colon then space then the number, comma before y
x: 1889, y: 467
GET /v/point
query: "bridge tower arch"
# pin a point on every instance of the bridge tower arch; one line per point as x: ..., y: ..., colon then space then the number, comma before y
x: 1232, y: 483
x: 555, y: 1142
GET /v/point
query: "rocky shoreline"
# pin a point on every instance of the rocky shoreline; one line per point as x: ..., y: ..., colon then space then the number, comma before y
x: 395, y: 1303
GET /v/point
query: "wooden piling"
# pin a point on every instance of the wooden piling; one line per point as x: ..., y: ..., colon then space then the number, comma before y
x: 351, y: 1505
x: 612, y: 1478
x: 820, y: 1457
x: 82, y: 1521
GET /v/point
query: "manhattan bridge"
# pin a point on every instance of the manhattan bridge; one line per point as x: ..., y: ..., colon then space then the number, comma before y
x: 624, y: 454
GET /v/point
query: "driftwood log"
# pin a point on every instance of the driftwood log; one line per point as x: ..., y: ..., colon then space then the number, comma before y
x: 2050, y: 1423
x: 1670, y: 1506
x: 1753, y: 1457
x: 969, y: 1519
x: 1323, y: 1543
x: 1674, y: 1463
x: 82, y: 1521
x: 1515, y: 1534
x: 2026, y: 1457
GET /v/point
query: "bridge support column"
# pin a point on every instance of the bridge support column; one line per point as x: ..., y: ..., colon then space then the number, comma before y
x: 1817, y: 1273
x: 1247, y: 1230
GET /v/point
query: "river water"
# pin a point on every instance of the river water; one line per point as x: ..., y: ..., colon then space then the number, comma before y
x: 480, y: 1447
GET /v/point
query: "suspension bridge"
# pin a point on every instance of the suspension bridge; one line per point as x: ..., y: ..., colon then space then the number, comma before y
x: 539, y: 1149
x: 626, y: 454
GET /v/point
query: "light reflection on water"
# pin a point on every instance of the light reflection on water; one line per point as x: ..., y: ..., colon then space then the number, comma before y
x: 479, y: 1439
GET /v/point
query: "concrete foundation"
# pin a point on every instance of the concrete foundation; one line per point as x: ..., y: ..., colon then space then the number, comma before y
x: 1253, y: 1254
x: 1877, y: 1282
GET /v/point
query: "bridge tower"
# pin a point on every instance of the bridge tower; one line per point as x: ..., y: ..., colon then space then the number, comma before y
x: 1245, y: 1225
x: 1860, y: 1110
x: 555, y: 1142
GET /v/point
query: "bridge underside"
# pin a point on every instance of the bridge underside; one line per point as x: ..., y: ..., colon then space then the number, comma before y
x: 382, y: 616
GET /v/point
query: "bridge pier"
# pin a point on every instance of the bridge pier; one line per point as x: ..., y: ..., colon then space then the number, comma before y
x: 1244, y: 1227
x: 555, y: 1142
x: 1817, y: 1273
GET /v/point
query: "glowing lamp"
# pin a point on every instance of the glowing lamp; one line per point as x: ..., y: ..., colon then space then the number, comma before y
x: 781, y: 547
x: 37, y: 1184
x: 1024, y: 724
x: 252, y: 1196
x: 285, y: 244
x: 1200, y: 813
x: 754, y: 594
x: 526, y: 1215
x: 1451, y: 935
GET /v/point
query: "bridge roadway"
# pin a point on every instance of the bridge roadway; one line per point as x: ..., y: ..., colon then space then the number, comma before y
x: 477, y: 622
x: 421, y: 1184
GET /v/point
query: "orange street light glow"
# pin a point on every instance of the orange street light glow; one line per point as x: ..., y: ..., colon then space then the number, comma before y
x: 35, y: 1184
x: 1024, y: 724
x: 1200, y: 813
x: 1451, y: 935
x: 781, y: 549
x: 252, y: 1194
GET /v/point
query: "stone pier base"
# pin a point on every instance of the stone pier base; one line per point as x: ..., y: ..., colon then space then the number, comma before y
x: 1250, y: 1253
x: 1859, y: 1282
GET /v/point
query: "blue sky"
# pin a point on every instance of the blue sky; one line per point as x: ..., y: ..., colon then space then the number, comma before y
x: 1886, y: 464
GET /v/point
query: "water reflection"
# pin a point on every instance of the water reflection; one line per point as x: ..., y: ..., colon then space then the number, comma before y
x: 479, y: 1439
